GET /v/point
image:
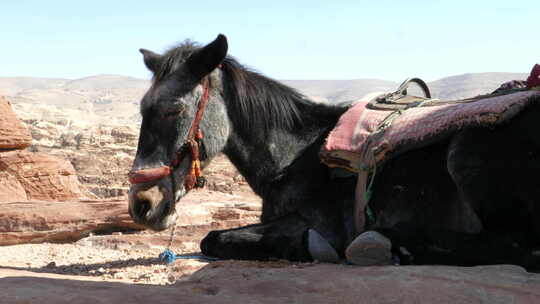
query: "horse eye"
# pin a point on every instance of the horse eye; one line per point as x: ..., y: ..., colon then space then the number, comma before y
x: 173, y: 113
x: 176, y: 111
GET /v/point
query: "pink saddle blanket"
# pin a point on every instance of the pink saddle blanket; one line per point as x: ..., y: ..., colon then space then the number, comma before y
x: 358, y: 143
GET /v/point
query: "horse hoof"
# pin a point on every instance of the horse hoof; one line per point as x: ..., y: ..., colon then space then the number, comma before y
x: 370, y: 248
x: 320, y: 249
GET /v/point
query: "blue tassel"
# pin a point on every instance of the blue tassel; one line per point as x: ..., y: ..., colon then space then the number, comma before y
x: 167, y: 256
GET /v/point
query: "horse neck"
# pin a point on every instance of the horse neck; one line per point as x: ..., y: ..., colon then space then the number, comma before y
x: 263, y: 156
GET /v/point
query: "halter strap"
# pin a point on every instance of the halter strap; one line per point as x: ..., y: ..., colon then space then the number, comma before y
x: 194, y: 177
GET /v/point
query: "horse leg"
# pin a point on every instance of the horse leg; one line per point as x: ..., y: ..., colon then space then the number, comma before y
x: 289, y: 237
x: 282, y: 238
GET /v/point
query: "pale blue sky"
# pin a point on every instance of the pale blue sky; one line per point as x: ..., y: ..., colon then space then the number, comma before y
x: 282, y: 39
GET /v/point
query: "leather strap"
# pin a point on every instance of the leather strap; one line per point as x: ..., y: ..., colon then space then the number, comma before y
x: 194, y: 177
x: 360, y: 202
x: 147, y: 175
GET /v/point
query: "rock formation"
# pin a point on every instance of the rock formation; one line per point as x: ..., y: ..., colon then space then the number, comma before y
x: 45, y: 221
x: 27, y: 175
x: 13, y: 134
x: 40, y: 176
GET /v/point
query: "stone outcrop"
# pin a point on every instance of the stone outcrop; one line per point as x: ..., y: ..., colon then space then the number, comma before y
x: 13, y: 134
x: 281, y: 282
x: 26, y: 175
x: 42, y: 221
x: 11, y: 188
x: 39, y: 176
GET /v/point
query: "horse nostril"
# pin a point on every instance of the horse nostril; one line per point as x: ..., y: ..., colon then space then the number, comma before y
x: 144, y: 201
x: 141, y: 208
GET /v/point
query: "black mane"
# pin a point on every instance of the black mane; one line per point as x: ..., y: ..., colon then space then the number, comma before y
x: 261, y: 102
x: 173, y: 58
x: 257, y: 102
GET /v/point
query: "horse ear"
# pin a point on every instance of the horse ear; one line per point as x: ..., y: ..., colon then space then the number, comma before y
x: 205, y: 60
x: 151, y: 59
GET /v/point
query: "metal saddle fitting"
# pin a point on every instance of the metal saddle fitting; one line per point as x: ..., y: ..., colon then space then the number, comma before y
x: 402, y: 91
x: 400, y: 99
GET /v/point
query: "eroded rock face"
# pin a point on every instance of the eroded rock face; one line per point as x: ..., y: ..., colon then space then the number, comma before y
x: 10, y: 188
x: 13, y: 133
x: 25, y: 175
x: 42, y: 221
x: 37, y: 176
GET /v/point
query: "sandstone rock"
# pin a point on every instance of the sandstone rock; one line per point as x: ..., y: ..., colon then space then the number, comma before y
x: 281, y: 282
x: 13, y: 133
x: 200, y: 212
x: 42, y: 177
x: 10, y: 188
x: 40, y: 221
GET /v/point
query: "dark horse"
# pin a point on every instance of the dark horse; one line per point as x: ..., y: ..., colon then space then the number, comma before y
x: 471, y: 199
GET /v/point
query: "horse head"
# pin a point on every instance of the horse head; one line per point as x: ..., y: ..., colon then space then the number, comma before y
x: 184, y: 120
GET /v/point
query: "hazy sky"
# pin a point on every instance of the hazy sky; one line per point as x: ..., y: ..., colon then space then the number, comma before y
x: 283, y: 39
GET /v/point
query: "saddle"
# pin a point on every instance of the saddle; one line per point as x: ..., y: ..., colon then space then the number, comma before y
x: 377, y: 129
x: 385, y: 125
x: 400, y: 100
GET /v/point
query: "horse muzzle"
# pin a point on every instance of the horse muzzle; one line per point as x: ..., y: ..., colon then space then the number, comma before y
x: 152, y: 205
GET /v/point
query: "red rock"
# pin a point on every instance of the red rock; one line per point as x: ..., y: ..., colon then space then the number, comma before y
x: 11, y: 188
x: 279, y: 282
x: 39, y: 221
x: 44, y: 221
x: 42, y: 177
x: 13, y: 133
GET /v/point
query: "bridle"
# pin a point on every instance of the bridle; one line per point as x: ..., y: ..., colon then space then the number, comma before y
x: 194, y: 178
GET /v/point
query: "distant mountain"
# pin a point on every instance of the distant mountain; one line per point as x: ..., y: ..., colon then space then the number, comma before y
x: 115, y: 97
x: 340, y: 90
x: 11, y: 86
x: 468, y: 85
x: 99, y: 98
x: 453, y: 87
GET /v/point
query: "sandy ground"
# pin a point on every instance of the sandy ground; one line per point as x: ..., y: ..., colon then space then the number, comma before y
x: 117, y: 257
x: 133, y: 257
